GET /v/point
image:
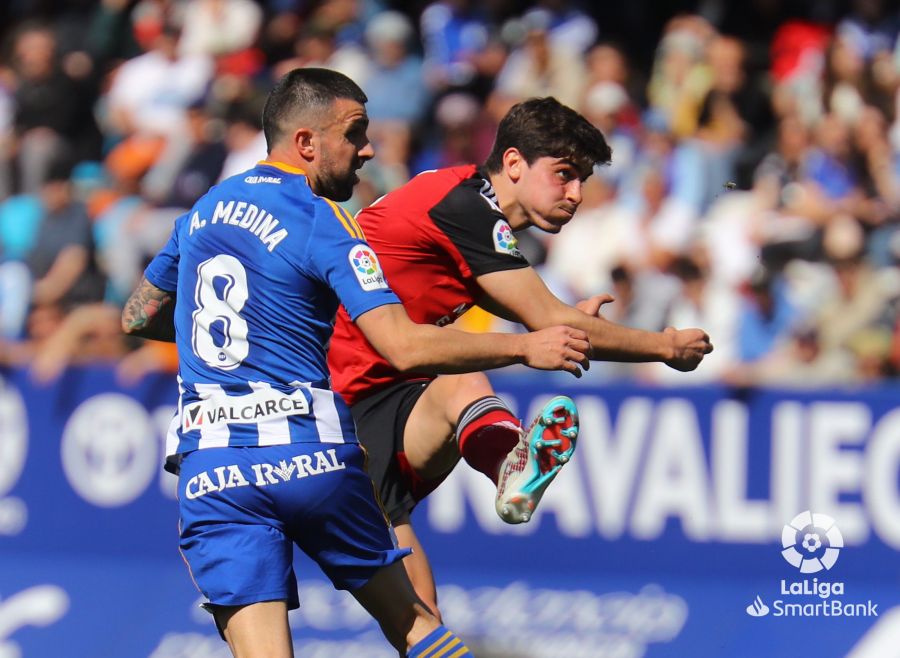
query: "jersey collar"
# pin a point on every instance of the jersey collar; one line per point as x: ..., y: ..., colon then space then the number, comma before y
x: 290, y: 169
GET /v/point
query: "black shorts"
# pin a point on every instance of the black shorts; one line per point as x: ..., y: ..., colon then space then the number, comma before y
x: 380, y: 422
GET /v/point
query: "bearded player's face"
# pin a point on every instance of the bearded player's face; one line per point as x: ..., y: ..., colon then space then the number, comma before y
x: 343, y: 148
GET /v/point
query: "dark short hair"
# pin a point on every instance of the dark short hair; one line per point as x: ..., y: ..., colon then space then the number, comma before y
x: 544, y: 127
x: 301, y: 91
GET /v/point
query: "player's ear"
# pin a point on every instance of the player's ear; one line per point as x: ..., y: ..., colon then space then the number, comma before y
x: 512, y: 163
x: 304, y: 142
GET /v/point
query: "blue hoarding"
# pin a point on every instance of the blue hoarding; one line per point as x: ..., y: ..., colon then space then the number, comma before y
x: 702, y: 522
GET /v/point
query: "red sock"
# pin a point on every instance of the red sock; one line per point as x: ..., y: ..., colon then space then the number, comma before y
x: 486, y: 432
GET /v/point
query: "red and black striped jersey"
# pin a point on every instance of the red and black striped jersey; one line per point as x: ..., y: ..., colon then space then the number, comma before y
x: 433, y: 237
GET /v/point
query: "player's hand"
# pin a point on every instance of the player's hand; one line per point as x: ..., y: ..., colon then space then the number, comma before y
x: 592, y: 305
x: 689, y: 346
x: 558, y: 348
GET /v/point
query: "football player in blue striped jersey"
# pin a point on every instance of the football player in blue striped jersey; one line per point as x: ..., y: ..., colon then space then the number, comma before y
x: 266, y: 453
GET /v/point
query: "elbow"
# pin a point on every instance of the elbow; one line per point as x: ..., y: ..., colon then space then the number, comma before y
x: 402, y: 362
x: 404, y: 357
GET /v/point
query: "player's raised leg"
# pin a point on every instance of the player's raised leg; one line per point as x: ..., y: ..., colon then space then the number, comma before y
x: 459, y: 415
x: 490, y: 438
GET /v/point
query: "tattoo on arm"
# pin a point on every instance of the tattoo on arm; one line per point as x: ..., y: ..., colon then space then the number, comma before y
x: 149, y: 313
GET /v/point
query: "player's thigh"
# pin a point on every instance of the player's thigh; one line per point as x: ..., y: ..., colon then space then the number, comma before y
x: 417, y: 565
x: 258, y: 630
x: 429, y: 436
x: 345, y: 532
x: 380, y: 421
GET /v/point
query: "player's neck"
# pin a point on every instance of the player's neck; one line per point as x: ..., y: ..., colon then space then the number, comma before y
x: 282, y: 156
x: 505, y: 189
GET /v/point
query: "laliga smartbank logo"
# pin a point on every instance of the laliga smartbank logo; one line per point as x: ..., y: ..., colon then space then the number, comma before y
x: 811, y: 543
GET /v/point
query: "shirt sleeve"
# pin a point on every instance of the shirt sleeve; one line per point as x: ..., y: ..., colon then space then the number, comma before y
x: 478, y: 230
x: 162, y: 271
x: 339, y: 256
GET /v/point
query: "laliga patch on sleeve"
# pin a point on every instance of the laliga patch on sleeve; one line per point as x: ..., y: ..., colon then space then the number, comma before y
x: 366, y: 268
x: 505, y: 241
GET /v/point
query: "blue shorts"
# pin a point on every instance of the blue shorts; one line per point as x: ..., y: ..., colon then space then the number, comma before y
x: 243, y: 508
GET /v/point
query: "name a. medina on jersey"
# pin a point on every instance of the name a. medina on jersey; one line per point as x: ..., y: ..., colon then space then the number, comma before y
x: 245, y: 215
x: 263, y: 475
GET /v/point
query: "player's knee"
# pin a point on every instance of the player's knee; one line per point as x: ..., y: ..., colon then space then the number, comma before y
x: 421, y: 625
x: 403, y: 626
x: 431, y: 604
x: 470, y: 387
x: 476, y: 382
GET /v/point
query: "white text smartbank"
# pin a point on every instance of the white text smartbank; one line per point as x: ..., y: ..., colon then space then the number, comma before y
x: 833, y: 608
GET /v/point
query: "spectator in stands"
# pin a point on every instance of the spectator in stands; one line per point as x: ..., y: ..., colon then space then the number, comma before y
x: 453, y: 32
x: 607, y: 62
x: 395, y: 84
x: 316, y: 45
x: 62, y: 262
x: 802, y: 360
x: 701, y: 299
x: 53, y: 114
x: 128, y: 228
x: 198, y: 169
x: 182, y: 75
x: 110, y: 36
x: 703, y: 164
x: 150, y: 94
x: 41, y: 323
x: 219, y: 27
x: 244, y: 137
x: 568, y: 25
x: 540, y: 67
x: 766, y: 317
x: 679, y: 81
x: 860, y: 296
x: 607, y: 106
x: 846, y: 86
x: 462, y: 134
x: 90, y: 333
x: 879, y: 183
x: 835, y: 180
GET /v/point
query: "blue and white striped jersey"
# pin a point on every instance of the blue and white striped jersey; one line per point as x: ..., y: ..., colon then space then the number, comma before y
x: 260, y: 265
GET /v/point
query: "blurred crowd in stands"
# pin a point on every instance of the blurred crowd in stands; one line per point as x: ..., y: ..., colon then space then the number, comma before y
x: 754, y: 189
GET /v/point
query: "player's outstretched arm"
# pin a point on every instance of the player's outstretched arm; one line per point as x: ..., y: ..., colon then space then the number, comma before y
x: 149, y: 313
x: 413, y: 347
x: 520, y: 295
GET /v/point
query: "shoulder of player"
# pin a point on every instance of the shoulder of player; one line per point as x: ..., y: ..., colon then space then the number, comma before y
x: 292, y: 185
x: 469, y: 203
x: 331, y: 216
